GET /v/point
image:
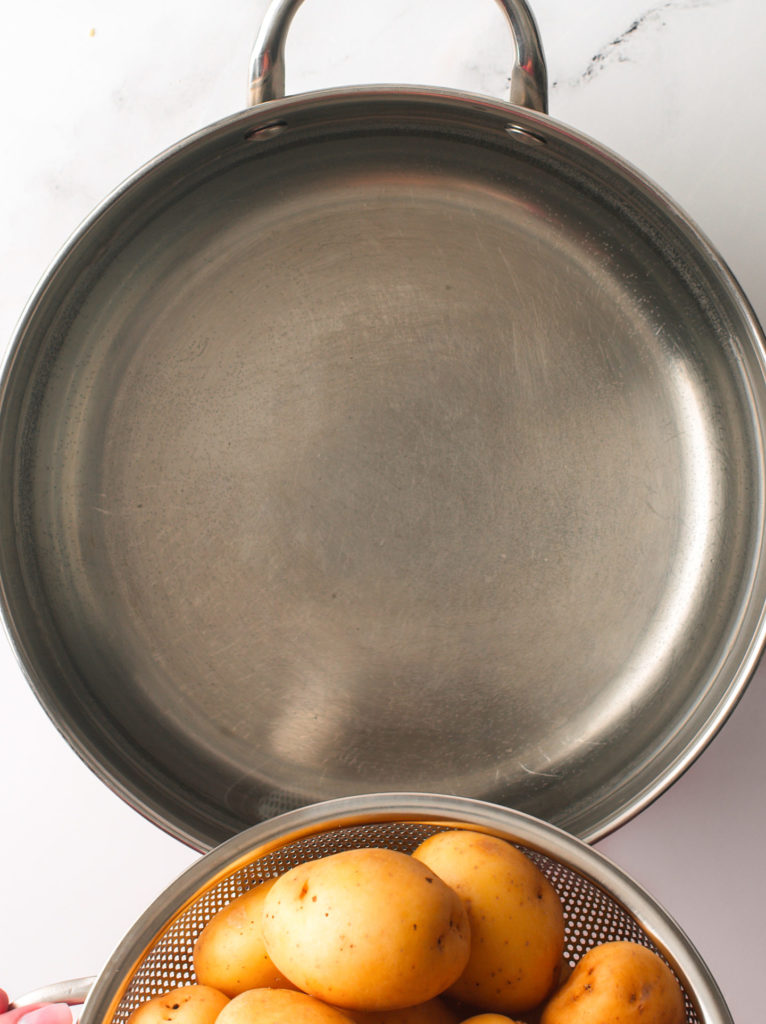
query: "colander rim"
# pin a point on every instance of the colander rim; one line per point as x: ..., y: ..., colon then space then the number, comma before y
x: 380, y: 808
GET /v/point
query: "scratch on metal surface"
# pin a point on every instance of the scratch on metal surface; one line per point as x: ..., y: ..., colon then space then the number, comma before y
x: 534, y: 771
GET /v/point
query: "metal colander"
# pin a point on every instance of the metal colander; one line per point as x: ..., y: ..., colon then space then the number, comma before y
x: 600, y: 902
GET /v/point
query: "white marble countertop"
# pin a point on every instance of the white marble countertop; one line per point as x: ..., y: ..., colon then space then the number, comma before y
x: 89, y: 91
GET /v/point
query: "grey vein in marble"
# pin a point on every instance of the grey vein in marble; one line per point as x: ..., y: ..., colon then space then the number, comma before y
x: 615, y: 49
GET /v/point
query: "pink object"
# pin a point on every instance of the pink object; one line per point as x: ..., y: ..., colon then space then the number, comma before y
x: 36, y: 1013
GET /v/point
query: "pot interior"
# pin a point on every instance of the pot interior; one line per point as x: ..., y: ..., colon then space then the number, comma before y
x: 383, y: 449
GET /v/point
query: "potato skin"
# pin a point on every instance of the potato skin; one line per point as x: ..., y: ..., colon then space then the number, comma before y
x: 517, y: 922
x: 230, y: 954
x: 366, y: 929
x: 279, y: 1006
x: 490, y: 1018
x: 190, y: 1004
x: 618, y: 983
x: 435, y: 1011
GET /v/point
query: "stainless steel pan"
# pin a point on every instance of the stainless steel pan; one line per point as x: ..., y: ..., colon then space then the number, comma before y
x: 378, y: 439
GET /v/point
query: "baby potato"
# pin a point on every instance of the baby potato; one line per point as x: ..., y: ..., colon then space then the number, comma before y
x: 516, y: 920
x: 190, y: 1004
x: 230, y: 954
x: 618, y: 983
x: 490, y: 1018
x: 435, y: 1011
x: 366, y: 929
x: 279, y: 1006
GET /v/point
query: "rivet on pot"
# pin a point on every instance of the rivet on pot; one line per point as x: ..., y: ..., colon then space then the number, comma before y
x: 525, y: 135
x: 265, y: 131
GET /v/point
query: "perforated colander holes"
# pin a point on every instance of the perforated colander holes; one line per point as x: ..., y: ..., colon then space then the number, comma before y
x: 691, y: 1013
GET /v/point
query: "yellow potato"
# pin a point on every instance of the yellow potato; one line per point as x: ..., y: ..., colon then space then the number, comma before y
x: 279, y: 1006
x: 229, y: 953
x: 190, y: 1004
x: 368, y: 929
x: 517, y: 923
x: 435, y: 1011
x: 618, y: 983
x: 490, y: 1018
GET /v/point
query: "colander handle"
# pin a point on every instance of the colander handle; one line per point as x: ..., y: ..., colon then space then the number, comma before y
x: 529, y: 78
x: 71, y: 992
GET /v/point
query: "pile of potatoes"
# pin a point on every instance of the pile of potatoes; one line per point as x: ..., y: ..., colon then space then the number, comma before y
x: 465, y: 929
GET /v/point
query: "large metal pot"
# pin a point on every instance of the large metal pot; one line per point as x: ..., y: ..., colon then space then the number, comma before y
x: 393, y: 438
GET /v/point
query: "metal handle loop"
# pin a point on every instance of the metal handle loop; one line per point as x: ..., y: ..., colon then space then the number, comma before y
x: 529, y: 79
x: 71, y: 992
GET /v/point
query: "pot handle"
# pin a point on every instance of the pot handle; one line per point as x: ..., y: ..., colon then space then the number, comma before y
x: 529, y: 79
x: 71, y: 992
